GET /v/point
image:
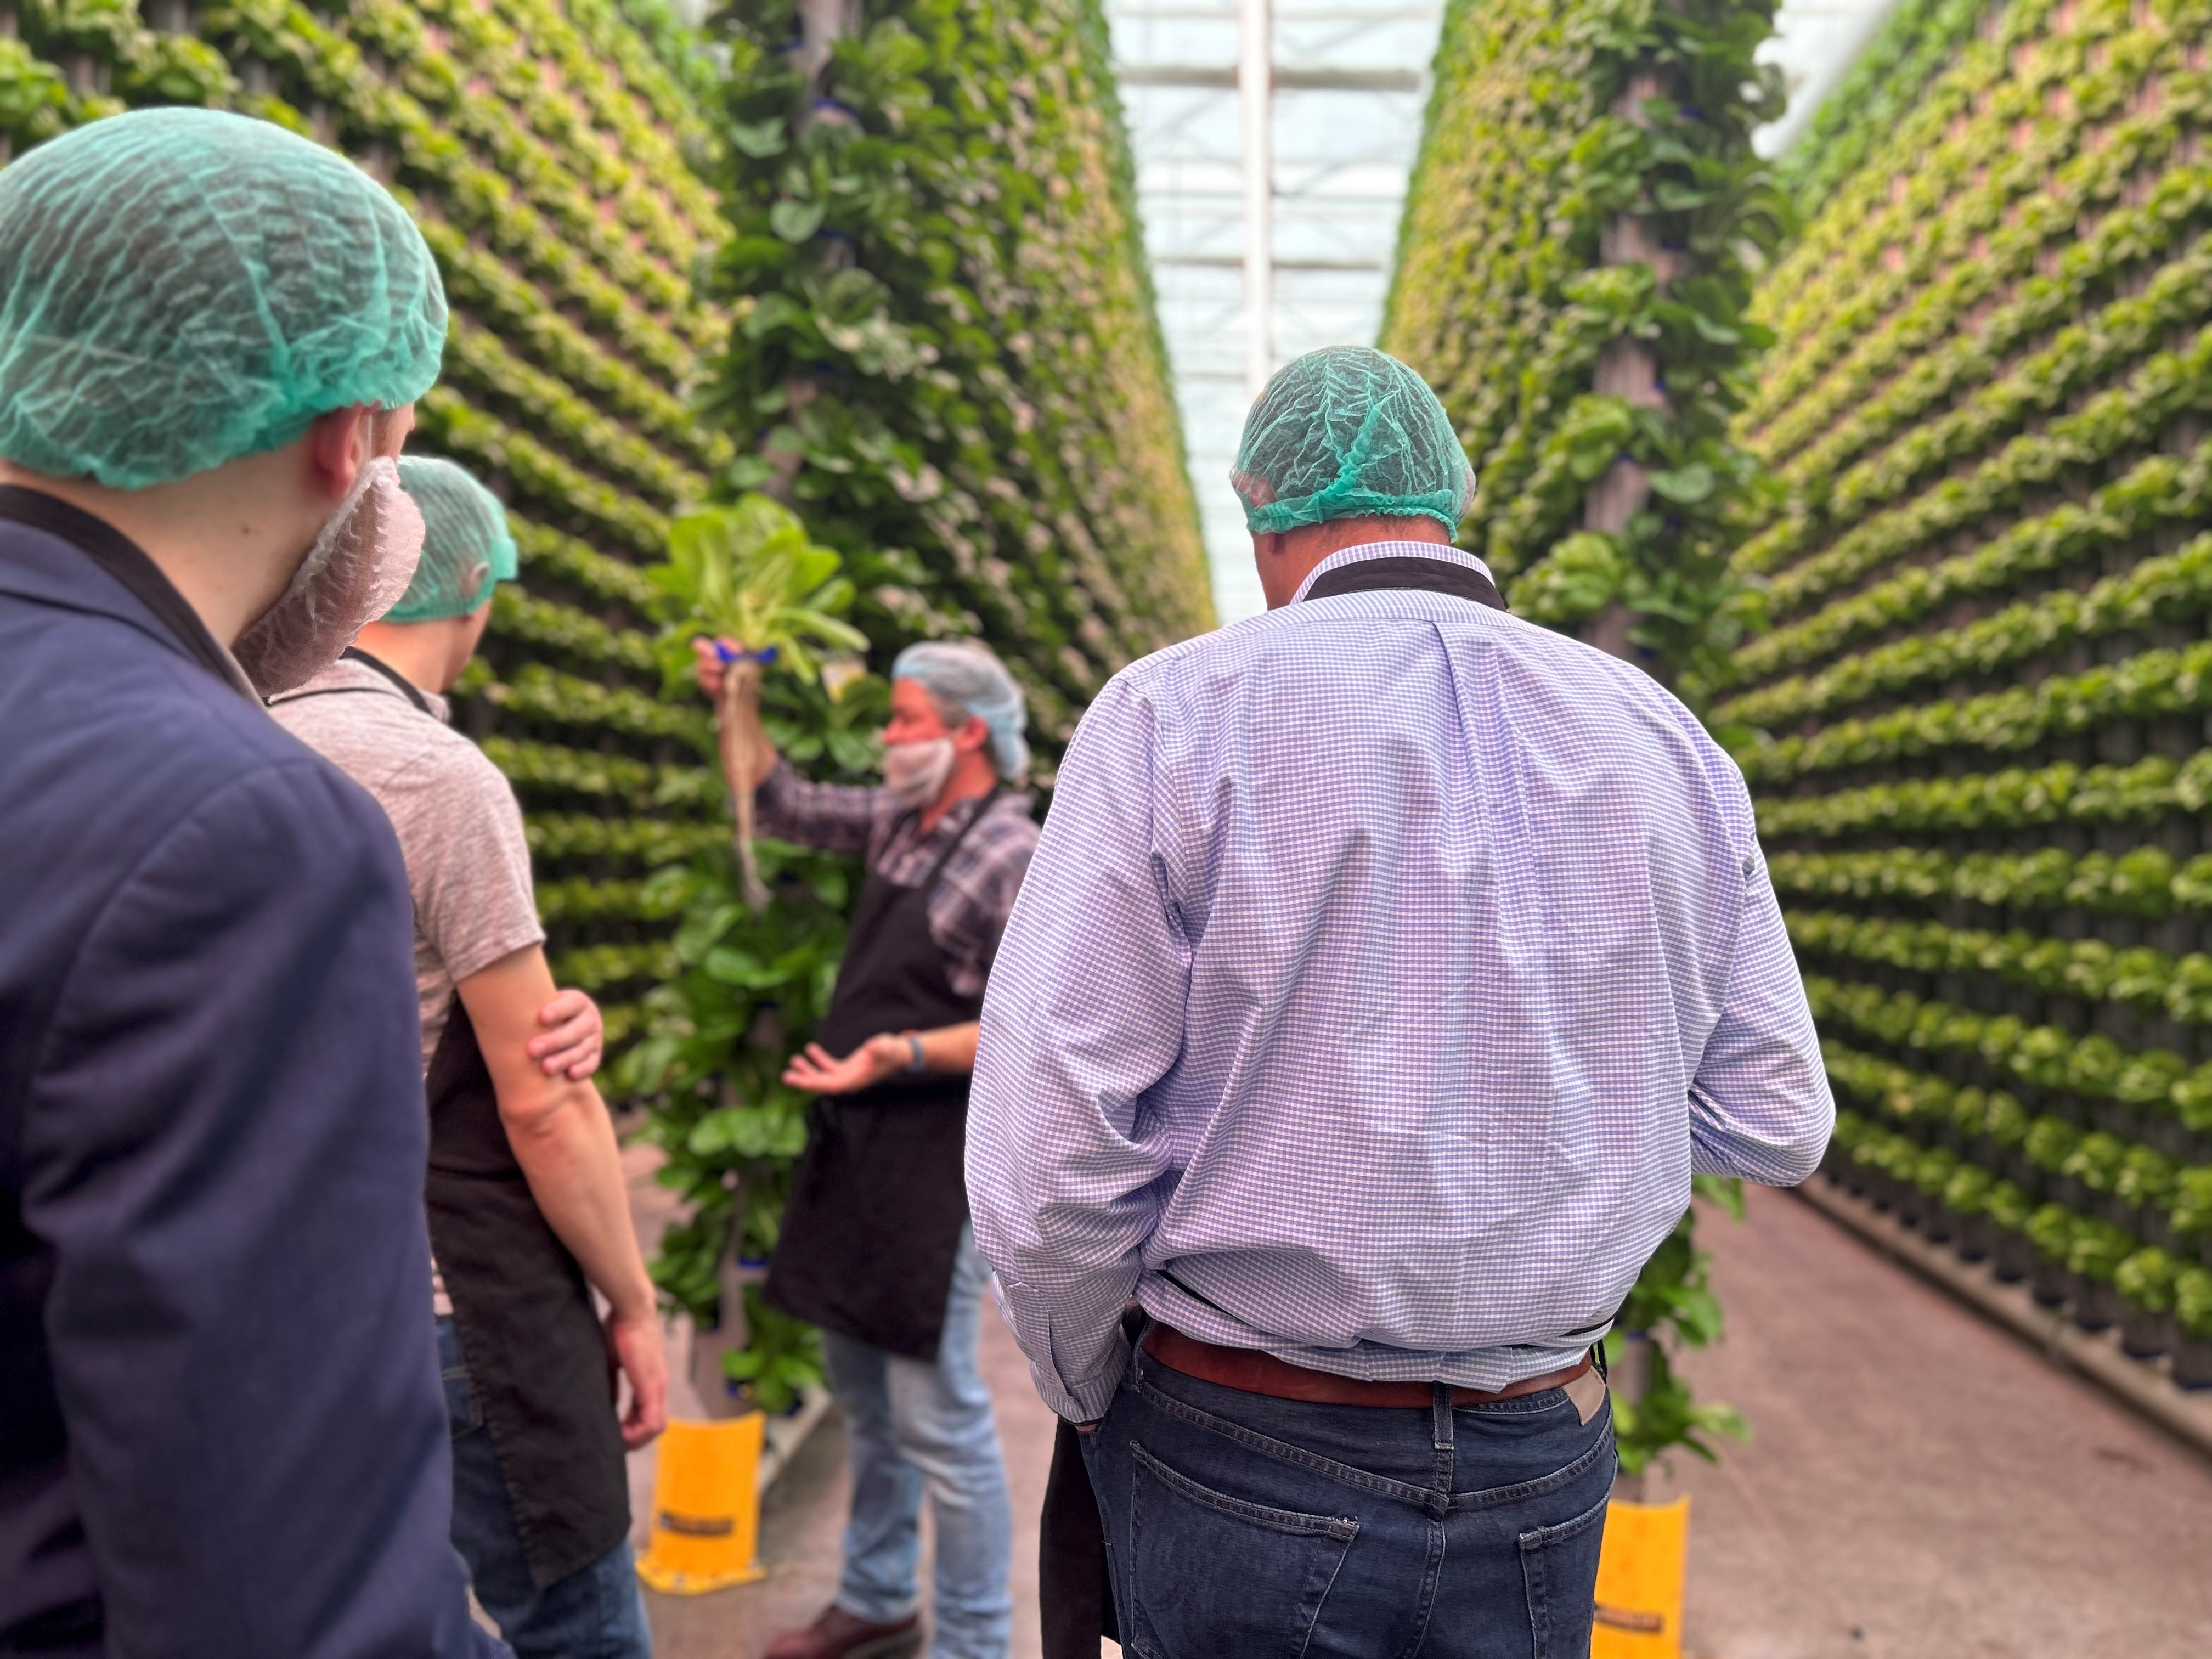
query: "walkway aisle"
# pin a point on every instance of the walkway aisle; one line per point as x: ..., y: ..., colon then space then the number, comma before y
x: 1920, y: 1484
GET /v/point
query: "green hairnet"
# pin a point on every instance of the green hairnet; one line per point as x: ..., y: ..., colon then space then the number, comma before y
x: 467, y: 549
x: 1344, y: 432
x: 181, y: 286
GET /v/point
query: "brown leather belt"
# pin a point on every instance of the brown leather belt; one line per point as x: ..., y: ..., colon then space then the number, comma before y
x: 1255, y: 1372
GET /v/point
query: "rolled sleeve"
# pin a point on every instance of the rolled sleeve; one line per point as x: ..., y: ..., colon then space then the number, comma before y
x: 1759, y: 1104
x: 1083, y: 1015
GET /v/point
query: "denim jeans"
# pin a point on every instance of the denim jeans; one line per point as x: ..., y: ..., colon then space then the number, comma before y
x: 1242, y: 1527
x: 914, y: 1427
x: 595, y: 1613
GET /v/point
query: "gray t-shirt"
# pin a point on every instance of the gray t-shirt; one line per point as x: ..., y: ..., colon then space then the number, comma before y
x: 458, y: 826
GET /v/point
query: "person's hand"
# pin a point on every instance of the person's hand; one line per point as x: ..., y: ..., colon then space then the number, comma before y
x: 635, y: 1342
x: 819, y: 1071
x: 576, y: 1038
x: 707, y: 654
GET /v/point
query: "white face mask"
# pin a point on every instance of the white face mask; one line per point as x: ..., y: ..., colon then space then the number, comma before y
x: 358, y: 568
x: 915, y: 772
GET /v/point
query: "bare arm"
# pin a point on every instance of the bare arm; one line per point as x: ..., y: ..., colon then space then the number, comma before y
x: 565, y: 1142
x: 949, y: 1049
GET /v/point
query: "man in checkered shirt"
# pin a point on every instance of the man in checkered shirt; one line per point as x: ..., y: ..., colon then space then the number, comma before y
x: 1387, y: 967
x: 875, y: 1246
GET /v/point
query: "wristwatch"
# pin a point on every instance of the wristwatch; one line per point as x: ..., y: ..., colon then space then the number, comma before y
x: 914, y: 1048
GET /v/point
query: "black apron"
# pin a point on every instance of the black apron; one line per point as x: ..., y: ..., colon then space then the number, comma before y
x: 537, y: 1355
x: 529, y: 1335
x: 881, y: 1195
x: 1075, y: 1591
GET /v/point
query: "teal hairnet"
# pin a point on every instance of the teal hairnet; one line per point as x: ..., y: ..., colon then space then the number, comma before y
x: 181, y: 286
x: 967, y: 679
x: 1344, y: 432
x: 467, y: 549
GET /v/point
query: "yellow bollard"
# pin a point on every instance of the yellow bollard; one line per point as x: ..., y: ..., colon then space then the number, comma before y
x: 1639, y: 1581
x: 706, y: 1507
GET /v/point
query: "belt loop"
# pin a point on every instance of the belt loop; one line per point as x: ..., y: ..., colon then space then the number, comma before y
x: 1440, y: 1409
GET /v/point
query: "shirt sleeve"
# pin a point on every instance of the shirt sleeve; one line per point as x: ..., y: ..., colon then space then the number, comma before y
x: 836, y: 817
x: 1759, y: 1105
x: 468, y: 858
x: 224, y: 1150
x: 1083, y: 1015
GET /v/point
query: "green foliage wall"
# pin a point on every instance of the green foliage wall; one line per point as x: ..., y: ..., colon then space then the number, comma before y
x: 944, y: 358
x: 1549, y: 125
x: 1981, y: 717
x: 553, y: 155
x: 944, y: 350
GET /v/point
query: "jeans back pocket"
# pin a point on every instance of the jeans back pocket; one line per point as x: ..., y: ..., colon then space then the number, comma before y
x: 1559, y: 1566
x: 1213, y: 1577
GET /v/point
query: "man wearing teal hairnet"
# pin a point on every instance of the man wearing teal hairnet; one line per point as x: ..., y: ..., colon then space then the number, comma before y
x: 1386, y: 968
x: 222, y: 1428
x: 528, y: 1209
x: 875, y: 1246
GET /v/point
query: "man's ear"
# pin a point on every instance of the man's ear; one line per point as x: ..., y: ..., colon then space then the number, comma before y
x: 339, y: 446
x: 972, y: 733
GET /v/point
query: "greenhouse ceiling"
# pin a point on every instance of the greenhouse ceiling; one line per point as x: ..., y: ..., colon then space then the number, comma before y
x: 1272, y: 218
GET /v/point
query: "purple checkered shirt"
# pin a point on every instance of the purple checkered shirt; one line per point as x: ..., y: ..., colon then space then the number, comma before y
x: 968, y: 911
x: 1386, y: 968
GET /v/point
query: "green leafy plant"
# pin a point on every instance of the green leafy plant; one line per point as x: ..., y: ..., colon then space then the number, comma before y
x: 1672, y: 1301
x: 748, y: 572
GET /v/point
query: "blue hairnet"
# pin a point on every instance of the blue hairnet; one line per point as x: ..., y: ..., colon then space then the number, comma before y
x: 181, y: 286
x: 967, y: 679
x: 1346, y: 431
x: 467, y: 549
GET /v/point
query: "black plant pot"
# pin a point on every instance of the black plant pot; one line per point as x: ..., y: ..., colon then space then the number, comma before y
x: 2016, y: 1254
x: 2192, y: 1362
x: 1937, y: 1221
x: 1912, y: 1204
x: 2050, y: 1283
x: 2097, y: 1307
x: 2142, y: 1334
x: 1974, y: 1237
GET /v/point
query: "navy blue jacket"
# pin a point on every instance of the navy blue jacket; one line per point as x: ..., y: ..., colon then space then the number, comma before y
x: 222, y: 1428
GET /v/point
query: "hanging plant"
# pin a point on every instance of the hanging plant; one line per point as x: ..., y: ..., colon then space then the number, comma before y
x: 748, y: 572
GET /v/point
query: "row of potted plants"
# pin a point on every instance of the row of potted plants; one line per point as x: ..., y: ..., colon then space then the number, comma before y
x: 2169, y: 588
x: 1913, y: 45
x: 2152, y: 1095
x: 2079, y: 325
x: 2156, y: 684
x: 2092, y: 969
x: 1550, y: 130
x: 2009, y: 799
x: 2155, y: 493
x: 2034, y: 223
x: 2101, y: 1275
x: 2000, y: 127
x: 2149, y: 881
x: 2111, y: 427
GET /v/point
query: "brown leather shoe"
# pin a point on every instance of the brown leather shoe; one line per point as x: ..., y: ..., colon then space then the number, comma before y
x: 838, y: 1635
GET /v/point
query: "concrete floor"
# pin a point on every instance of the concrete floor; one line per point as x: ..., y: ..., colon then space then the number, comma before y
x: 1920, y: 1485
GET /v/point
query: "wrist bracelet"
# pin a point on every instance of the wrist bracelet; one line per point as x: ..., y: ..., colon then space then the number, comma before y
x: 913, y: 1047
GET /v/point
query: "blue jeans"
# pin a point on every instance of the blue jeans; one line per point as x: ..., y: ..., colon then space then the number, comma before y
x: 913, y: 1426
x: 1242, y: 1527
x: 595, y: 1613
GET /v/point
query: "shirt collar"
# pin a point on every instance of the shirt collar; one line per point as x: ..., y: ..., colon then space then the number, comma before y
x: 1366, y: 550
x: 126, y: 563
x: 350, y: 674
